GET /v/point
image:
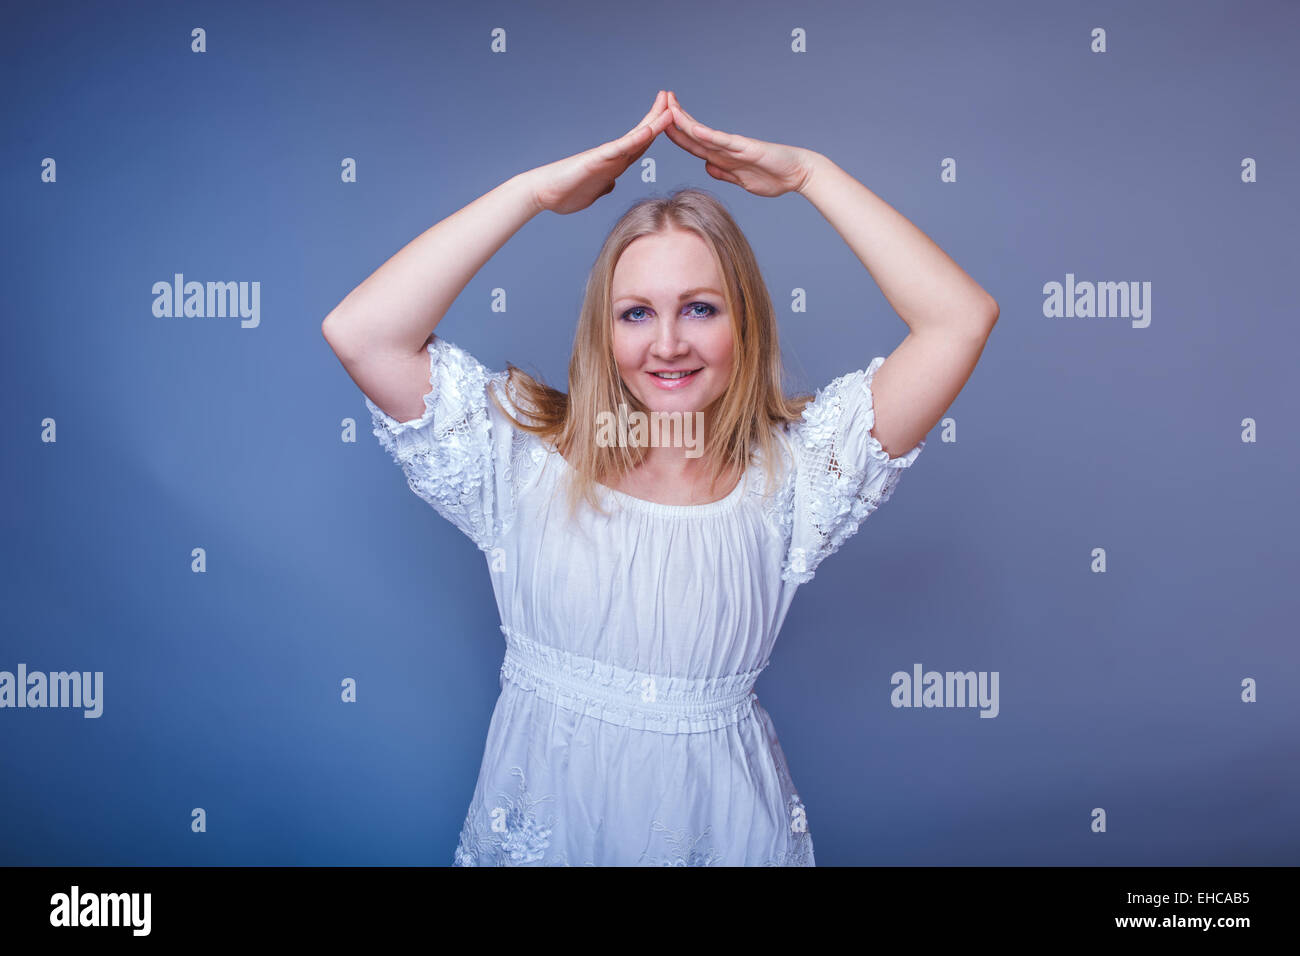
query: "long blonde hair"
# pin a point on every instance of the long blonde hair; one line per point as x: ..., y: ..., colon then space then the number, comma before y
x: 744, y: 415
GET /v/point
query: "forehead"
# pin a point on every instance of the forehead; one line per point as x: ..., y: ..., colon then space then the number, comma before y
x: 665, y: 263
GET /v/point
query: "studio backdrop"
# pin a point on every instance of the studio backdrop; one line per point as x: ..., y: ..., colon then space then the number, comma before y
x: 232, y: 635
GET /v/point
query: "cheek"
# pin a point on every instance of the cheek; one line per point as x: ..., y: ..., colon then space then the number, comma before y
x: 623, y: 349
x: 719, y: 348
x: 628, y: 363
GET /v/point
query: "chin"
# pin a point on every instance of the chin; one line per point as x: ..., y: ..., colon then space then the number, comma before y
x: 675, y: 403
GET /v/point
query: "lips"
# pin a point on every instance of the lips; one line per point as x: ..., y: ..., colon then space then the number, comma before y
x: 677, y: 381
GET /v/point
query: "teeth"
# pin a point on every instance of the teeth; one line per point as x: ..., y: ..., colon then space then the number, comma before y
x: 670, y: 374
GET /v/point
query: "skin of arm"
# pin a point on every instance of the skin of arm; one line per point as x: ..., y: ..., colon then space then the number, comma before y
x: 949, y: 316
x: 379, y: 329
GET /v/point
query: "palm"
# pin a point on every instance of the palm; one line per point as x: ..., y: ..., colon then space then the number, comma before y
x: 762, y: 168
x: 765, y: 169
x: 575, y: 182
x: 579, y: 181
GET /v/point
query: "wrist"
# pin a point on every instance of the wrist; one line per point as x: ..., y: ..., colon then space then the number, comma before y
x: 813, y: 163
x: 523, y: 186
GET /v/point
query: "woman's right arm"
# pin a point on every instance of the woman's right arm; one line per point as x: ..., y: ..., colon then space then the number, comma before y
x: 380, y: 328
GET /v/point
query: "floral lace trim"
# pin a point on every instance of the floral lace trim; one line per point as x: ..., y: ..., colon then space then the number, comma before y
x: 842, y: 475
x: 449, y: 454
x: 697, y: 850
x: 778, y: 508
x: 519, y: 832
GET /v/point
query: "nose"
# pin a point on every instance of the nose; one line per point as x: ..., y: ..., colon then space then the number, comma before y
x: 669, y: 343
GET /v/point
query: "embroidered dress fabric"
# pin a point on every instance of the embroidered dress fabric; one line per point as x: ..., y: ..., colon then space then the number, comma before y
x: 627, y: 731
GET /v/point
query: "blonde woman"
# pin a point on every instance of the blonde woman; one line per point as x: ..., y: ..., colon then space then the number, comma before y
x: 642, y: 584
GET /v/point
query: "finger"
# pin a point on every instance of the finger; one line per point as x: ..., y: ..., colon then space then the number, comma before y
x: 706, y: 134
x: 701, y: 144
x: 664, y: 122
x: 685, y: 122
x: 693, y: 145
x: 716, y: 138
x: 717, y: 172
x: 660, y: 104
x: 656, y: 121
x: 636, y: 141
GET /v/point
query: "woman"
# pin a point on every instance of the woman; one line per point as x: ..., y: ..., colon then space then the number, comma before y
x: 627, y: 730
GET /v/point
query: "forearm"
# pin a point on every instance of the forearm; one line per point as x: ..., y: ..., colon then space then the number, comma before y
x: 922, y: 283
x: 397, y: 307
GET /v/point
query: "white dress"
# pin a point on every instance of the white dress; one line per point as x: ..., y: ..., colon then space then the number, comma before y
x: 627, y: 731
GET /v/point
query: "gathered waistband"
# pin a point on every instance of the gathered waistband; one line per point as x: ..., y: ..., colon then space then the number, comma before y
x: 644, y: 701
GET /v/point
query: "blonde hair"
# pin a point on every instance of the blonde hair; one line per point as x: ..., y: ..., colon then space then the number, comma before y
x: 741, y: 422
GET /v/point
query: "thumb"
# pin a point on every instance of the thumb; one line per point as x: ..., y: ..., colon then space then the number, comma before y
x: 717, y: 172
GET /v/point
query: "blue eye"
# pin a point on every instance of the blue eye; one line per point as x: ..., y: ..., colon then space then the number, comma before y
x: 626, y: 316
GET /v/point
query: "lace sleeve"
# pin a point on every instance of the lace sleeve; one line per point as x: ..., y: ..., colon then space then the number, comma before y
x: 457, y: 455
x: 843, y: 473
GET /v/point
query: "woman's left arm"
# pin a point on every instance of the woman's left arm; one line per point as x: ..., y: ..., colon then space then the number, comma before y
x: 948, y: 314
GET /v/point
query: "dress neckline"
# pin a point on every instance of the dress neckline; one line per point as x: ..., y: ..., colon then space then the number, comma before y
x: 673, y: 511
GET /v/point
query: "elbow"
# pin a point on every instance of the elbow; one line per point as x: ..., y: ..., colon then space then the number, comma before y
x: 992, y: 311
x: 332, y: 329
x: 989, y: 317
x: 330, y: 324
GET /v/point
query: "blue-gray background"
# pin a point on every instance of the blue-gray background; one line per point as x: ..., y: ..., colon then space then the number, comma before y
x: 1118, y: 690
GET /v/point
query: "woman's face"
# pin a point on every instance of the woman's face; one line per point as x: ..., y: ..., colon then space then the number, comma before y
x: 669, y: 316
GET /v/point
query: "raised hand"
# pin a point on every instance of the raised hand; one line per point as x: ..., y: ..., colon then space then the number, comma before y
x: 574, y: 183
x: 764, y: 169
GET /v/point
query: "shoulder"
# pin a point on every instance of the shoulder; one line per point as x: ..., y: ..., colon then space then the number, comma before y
x: 824, y: 410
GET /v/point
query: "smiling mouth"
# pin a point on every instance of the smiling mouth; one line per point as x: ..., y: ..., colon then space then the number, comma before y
x: 674, y: 376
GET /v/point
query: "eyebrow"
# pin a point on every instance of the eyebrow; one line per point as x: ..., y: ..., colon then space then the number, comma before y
x: 685, y: 295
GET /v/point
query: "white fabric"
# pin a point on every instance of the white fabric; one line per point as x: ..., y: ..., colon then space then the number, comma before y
x: 627, y: 730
